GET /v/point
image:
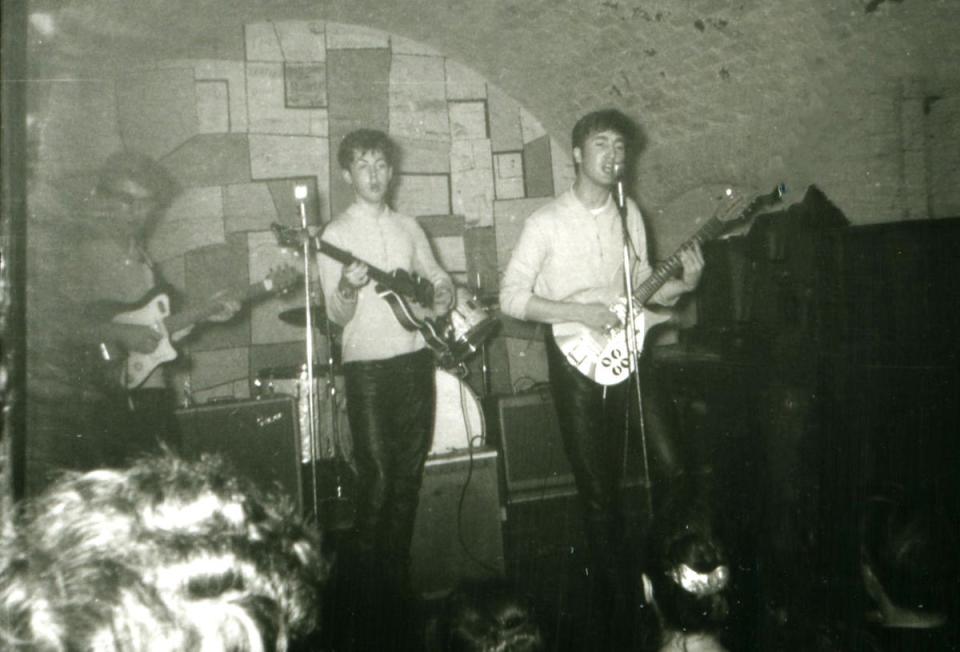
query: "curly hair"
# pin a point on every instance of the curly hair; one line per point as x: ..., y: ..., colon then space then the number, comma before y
x: 165, y: 555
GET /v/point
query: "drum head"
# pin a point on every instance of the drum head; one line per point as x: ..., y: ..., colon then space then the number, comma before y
x: 459, y: 419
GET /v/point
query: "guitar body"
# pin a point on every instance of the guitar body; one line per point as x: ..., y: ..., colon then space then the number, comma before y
x: 604, y: 357
x: 415, y: 317
x: 129, y: 369
x: 152, y: 313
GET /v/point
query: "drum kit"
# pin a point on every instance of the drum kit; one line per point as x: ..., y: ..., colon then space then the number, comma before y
x: 319, y: 392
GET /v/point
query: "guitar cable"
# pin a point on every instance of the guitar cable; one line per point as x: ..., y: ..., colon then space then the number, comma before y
x: 466, y: 484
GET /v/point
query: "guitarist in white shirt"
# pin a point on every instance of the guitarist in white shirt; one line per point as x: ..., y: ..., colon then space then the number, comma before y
x: 390, y: 382
x: 111, y: 265
x: 567, y: 266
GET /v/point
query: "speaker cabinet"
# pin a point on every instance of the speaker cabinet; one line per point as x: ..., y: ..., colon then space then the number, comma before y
x: 457, y: 534
x: 534, y: 461
x: 259, y: 438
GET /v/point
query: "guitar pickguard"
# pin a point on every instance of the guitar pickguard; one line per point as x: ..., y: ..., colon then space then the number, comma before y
x: 139, y: 366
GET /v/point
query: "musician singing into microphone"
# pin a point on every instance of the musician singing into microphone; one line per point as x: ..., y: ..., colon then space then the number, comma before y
x: 389, y: 378
x: 567, y: 267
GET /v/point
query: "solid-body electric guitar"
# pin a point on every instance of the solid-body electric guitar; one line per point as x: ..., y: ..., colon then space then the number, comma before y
x: 129, y: 369
x: 603, y: 356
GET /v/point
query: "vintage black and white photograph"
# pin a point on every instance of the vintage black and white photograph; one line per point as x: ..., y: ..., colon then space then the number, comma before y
x: 500, y: 326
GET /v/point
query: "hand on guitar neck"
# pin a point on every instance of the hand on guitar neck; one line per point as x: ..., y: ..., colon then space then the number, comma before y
x: 140, y: 336
x: 353, y: 277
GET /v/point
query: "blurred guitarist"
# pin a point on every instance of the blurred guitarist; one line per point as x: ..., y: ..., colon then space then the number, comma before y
x: 110, y: 265
x: 567, y: 266
x: 389, y: 376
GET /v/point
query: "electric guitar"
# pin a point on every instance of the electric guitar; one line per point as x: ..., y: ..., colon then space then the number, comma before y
x: 603, y: 356
x: 409, y: 296
x: 129, y: 369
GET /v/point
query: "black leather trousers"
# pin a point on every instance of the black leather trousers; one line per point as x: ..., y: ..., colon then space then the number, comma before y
x: 600, y: 451
x: 390, y: 404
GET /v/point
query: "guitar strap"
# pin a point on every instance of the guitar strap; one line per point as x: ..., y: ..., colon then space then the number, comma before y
x: 159, y: 280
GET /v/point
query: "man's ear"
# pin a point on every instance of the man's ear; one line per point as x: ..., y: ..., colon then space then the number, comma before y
x: 577, y: 155
x: 647, y: 589
x: 347, y: 176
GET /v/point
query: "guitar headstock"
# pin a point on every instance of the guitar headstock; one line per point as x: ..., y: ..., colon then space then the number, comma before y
x: 736, y: 207
x: 287, y: 236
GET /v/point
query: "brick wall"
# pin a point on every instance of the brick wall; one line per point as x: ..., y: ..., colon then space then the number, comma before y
x: 244, y: 99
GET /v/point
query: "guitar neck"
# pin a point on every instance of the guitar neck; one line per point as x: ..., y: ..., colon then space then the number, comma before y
x: 667, y: 268
x: 710, y: 230
x: 192, y: 316
x: 402, y: 284
x: 345, y: 258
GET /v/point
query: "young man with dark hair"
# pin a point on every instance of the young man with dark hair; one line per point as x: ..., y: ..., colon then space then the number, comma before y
x: 567, y: 266
x: 388, y: 371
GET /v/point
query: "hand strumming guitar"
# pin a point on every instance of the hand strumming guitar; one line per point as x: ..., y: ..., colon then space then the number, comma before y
x: 443, y: 299
x: 597, y: 316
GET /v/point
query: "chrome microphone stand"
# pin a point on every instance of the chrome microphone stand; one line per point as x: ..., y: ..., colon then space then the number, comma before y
x: 633, y: 347
x: 300, y: 193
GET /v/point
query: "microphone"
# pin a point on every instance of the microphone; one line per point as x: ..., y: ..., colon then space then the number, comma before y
x: 621, y: 195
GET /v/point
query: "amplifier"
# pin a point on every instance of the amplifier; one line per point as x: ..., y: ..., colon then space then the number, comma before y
x: 534, y: 461
x: 259, y: 438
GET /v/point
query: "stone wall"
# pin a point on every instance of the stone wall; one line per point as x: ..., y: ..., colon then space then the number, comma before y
x: 245, y: 99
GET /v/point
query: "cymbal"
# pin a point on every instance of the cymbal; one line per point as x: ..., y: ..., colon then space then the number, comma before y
x: 298, y: 317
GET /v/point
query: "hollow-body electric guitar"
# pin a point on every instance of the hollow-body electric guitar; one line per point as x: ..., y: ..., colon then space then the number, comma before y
x: 409, y: 296
x: 603, y: 356
x: 129, y: 369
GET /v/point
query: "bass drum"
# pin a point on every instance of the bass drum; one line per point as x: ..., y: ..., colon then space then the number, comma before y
x: 459, y: 419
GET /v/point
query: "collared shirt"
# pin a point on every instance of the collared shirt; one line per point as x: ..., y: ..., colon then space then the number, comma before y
x: 389, y: 241
x: 568, y: 252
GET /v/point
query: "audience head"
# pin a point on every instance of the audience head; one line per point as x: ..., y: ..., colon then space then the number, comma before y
x: 908, y: 556
x: 688, y: 577
x: 165, y: 555
x: 485, y: 617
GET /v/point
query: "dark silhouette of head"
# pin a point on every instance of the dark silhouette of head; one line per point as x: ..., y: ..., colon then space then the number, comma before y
x: 483, y: 617
x: 688, y: 575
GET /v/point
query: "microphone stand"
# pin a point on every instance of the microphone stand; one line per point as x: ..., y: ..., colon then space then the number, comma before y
x: 300, y: 193
x: 633, y: 348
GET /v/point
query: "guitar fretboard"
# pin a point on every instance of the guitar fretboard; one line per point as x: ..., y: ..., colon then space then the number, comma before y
x: 710, y: 230
x: 404, y: 285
